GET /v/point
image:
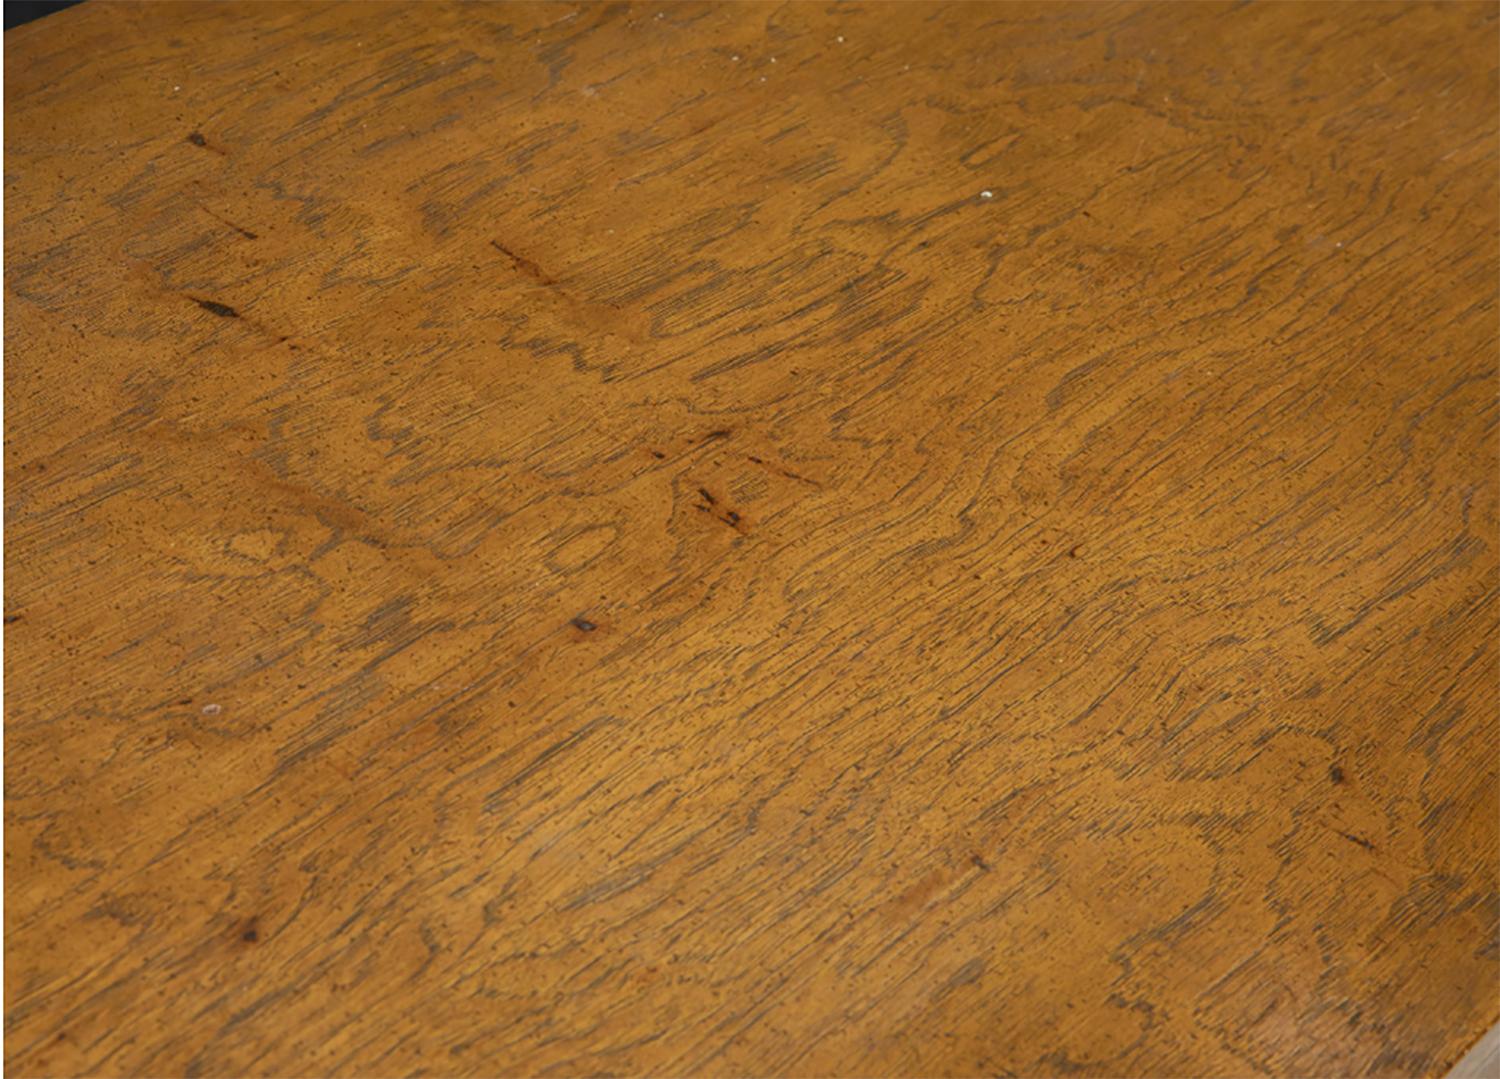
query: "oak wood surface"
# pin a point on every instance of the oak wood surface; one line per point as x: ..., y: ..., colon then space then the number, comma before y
x: 751, y: 539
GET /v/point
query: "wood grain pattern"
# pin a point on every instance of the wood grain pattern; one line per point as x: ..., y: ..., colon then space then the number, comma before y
x: 751, y: 539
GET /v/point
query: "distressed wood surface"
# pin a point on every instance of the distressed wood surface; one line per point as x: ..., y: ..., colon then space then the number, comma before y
x: 751, y: 539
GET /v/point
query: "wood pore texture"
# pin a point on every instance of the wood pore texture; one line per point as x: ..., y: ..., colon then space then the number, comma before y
x: 751, y: 539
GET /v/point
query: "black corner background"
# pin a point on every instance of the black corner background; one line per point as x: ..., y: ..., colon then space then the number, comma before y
x: 19, y: 11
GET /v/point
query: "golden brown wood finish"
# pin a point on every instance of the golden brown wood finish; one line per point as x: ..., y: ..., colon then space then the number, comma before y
x: 751, y: 539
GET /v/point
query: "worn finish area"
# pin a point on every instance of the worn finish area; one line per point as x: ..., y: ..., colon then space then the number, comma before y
x: 751, y: 539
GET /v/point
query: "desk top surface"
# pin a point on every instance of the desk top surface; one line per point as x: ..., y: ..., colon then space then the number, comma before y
x: 750, y: 539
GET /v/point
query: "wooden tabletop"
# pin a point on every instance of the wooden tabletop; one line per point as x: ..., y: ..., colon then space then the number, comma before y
x: 751, y: 539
